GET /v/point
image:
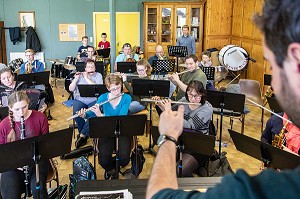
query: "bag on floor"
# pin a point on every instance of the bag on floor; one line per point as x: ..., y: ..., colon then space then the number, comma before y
x: 137, y: 160
x: 219, y: 165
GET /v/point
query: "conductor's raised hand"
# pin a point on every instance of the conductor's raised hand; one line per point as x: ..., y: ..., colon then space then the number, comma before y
x: 171, y: 122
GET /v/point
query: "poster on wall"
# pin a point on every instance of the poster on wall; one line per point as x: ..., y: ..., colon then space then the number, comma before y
x: 71, y: 32
x: 26, y: 19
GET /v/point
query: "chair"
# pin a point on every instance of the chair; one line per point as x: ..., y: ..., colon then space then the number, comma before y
x: 252, y: 90
x: 53, y: 174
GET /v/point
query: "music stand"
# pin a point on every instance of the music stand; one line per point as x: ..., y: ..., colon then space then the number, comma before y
x: 177, y: 51
x: 126, y: 67
x: 230, y: 101
x: 163, y: 66
x: 92, y: 90
x: 32, y: 150
x: 116, y: 126
x: 274, y: 105
x: 104, y: 53
x: 267, y: 153
x: 80, y: 67
x: 145, y: 87
x: 33, y: 79
x: 209, y: 72
x: 195, y: 142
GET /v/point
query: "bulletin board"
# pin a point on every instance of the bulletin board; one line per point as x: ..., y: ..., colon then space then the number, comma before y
x: 71, y: 32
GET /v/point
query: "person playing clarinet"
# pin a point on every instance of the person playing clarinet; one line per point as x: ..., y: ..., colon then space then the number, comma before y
x: 34, y: 123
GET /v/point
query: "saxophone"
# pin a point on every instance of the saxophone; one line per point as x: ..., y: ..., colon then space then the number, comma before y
x: 279, y: 140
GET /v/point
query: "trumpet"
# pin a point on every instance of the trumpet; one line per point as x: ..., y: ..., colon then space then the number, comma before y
x: 77, y: 115
x: 28, y: 67
x: 164, y: 57
x: 172, y: 102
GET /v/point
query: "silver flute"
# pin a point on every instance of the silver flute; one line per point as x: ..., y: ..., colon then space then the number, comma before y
x: 172, y: 102
x: 76, y: 115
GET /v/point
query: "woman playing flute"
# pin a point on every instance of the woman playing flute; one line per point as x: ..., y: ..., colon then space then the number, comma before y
x: 196, y: 117
x: 116, y: 106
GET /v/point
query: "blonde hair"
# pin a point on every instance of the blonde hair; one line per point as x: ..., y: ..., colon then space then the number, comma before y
x: 145, y: 63
x: 29, y: 51
x: 12, y: 99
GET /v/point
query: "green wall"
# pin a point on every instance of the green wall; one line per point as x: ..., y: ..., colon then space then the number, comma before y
x: 50, y: 13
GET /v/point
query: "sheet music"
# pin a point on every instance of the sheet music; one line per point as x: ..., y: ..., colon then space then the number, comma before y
x: 119, y: 194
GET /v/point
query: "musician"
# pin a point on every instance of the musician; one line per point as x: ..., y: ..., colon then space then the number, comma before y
x: 36, y: 123
x: 195, y: 73
x: 278, y: 22
x: 143, y: 69
x: 89, y: 76
x: 159, y: 55
x: 196, y: 117
x: 114, y: 107
x: 82, y: 50
x: 127, y: 55
x: 275, y: 125
x: 103, y: 44
x: 32, y: 65
x: 206, y: 59
x: 187, y: 40
x: 90, y: 54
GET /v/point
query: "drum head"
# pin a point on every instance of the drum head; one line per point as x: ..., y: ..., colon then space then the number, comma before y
x: 233, y: 57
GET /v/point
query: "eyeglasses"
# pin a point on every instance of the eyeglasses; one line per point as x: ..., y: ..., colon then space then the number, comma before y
x: 141, y: 70
x: 90, y: 66
x: 115, y: 88
x: 197, y: 96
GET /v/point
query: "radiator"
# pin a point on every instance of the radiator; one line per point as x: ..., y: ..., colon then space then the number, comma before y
x: 15, y: 55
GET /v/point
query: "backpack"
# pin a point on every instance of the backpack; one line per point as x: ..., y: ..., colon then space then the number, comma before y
x: 82, y: 170
x: 137, y: 160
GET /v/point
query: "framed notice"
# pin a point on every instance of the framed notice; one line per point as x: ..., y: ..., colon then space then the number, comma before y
x: 71, y: 32
x: 26, y: 19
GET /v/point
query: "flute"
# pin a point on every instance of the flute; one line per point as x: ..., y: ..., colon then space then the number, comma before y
x: 76, y: 115
x: 128, y: 74
x: 172, y: 102
x: 185, y: 71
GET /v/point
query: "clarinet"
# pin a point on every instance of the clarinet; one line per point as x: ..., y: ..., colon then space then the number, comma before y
x: 25, y: 168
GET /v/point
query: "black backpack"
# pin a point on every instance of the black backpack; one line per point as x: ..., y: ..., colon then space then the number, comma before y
x: 137, y: 160
x: 82, y: 170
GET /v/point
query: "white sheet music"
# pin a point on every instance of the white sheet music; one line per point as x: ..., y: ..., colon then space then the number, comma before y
x: 119, y: 194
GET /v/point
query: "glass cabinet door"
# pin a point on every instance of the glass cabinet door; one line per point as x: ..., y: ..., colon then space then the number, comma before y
x: 195, y: 21
x: 152, y: 25
x: 166, y: 19
x: 180, y: 21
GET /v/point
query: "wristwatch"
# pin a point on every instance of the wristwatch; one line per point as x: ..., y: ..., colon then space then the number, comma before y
x: 163, y: 138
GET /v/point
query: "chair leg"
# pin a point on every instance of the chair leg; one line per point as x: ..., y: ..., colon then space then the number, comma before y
x: 243, y: 124
x: 262, y: 120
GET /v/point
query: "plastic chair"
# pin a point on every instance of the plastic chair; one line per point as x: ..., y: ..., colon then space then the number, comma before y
x: 252, y: 90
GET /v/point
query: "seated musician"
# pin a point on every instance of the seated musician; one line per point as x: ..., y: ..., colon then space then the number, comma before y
x: 159, y: 55
x: 194, y: 73
x: 127, y: 55
x: 292, y: 133
x: 13, y: 185
x: 116, y: 106
x: 196, y: 117
x: 143, y: 69
x: 32, y: 65
x: 90, y: 54
x: 89, y: 76
x: 206, y: 59
x: 82, y: 50
x: 103, y: 44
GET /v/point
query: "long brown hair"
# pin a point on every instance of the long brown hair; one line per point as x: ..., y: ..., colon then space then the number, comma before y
x: 12, y: 99
x: 145, y: 63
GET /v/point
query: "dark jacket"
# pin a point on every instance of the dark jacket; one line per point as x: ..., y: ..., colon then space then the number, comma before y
x: 32, y: 40
x: 15, y: 34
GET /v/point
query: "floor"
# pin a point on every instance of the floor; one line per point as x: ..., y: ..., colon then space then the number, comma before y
x: 236, y: 159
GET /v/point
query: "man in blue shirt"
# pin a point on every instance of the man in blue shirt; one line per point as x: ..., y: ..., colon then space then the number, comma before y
x: 127, y: 55
x: 187, y: 40
x: 278, y: 22
x: 31, y: 66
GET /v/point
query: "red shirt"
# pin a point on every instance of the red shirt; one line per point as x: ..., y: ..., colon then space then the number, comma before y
x: 104, y: 45
x: 36, y: 124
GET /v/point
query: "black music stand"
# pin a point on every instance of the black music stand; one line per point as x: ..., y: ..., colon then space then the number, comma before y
x: 230, y: 101
x: 145, y: 87
x: 274, y: 105
x: 116, y: 126
x: 80, y: 67
x: 92, y: 90
x: 162, y: 67
x: 126, y: 67
x: 32, y: 150
x: 103, y: 53
x: 177, y: 51
x: 33, y: 79
x: 195, y: 142
x: 267, y: 153
x: 209, y: 72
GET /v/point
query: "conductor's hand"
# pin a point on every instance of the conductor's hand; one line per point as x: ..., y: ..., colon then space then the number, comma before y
x: 96, y: 110
x: 81, y: 113
x: 171, y: 122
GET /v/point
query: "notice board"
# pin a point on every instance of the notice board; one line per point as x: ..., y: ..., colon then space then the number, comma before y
x: 71, y: 32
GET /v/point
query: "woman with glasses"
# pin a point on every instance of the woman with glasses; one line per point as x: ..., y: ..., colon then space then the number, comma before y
x: 118, y: 105
x: 196, y: 117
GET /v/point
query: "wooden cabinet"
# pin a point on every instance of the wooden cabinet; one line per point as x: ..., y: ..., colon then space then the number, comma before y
x: 163, y: 22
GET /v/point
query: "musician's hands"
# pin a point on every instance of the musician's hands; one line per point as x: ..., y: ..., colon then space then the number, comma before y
x: 122, y: 75
x: 44, y: 107
x: 175, y: 77
x: 171, y: 122
x: 76, y: 76
x: 96, y: 110
x: 81, y: 113
x: 85, y: 75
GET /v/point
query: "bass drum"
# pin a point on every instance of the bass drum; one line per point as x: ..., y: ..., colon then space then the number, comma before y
x: 68, y: 81
x: 233, y: 57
